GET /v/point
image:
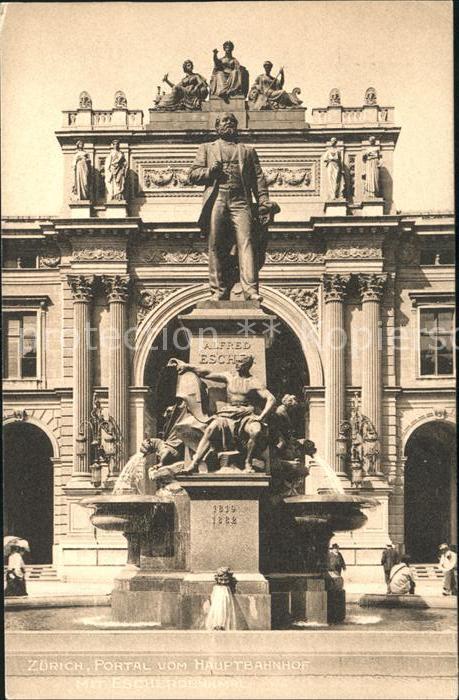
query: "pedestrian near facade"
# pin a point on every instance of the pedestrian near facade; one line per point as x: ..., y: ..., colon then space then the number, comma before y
x: 336, y: 562
x: 15, y: 574
x: 388, y: 560
x: 448, y: 564
x: 401, y: 581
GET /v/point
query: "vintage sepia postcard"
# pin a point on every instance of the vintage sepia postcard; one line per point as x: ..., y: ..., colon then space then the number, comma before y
x: 228, y: 313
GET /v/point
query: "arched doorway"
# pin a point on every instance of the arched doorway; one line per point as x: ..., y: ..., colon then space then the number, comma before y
x: 430, y: 490
x: 28, y: 488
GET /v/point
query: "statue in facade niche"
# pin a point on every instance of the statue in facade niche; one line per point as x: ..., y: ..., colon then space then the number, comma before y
x: 81, y: 172
x: 229, y: 78
x: 115, y: 172
x: 237, y: 228
x: 188, y: 94
x: 371, y: 158
x: 268, y: 92
x: 235, y: 427
x: 334, y: 166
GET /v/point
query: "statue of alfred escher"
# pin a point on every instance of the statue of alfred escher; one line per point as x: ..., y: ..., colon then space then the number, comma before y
x: 235, y: 225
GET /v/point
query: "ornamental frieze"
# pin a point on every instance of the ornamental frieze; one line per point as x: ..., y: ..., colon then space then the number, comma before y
x: 148, y: 299
x: 162, y: 256
x: 96, y: 254
x: 354, y: 252
x: 306, y: 299
x: 169, y: 178
x: 294, y: 256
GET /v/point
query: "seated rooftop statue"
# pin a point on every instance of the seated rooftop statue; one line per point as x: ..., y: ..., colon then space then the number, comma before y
x: 186, y: 95
x: 229, y: 78
x: 268, y: 91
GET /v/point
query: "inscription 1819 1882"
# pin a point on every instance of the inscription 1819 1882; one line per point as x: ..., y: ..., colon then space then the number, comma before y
x: 224, y: 515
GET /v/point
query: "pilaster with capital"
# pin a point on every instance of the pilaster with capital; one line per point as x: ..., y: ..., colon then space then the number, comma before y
x: 334, y: 339
x: 117, y: 291
x: 82, y: 293
x: 372, y: 289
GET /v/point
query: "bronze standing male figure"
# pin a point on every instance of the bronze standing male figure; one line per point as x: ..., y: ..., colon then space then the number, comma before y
x: 232, y: 175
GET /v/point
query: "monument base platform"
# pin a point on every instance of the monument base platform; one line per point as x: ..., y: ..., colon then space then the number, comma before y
x: 311, y: 598
x: 181, y: 600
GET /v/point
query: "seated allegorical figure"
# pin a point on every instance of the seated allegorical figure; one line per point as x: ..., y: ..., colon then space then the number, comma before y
x: 229, y: 78
x: 186, y: 95
x: 268, y: 92
x: 235, y: 426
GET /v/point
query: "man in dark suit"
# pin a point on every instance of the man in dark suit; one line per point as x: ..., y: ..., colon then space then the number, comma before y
x: 232, y: 175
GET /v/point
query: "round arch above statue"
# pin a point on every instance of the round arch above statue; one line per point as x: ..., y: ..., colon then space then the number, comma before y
x: 273, y: 300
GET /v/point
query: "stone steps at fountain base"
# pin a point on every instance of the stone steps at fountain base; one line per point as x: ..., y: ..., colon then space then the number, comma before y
x: 192, y: 664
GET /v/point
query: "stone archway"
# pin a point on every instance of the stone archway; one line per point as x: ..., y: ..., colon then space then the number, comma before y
x: 28, y: 487
x: 276, y: 302
x: 429, y: 489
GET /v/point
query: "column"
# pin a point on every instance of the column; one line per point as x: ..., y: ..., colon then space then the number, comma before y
x: 372, y: 289
x: 334, y: 340
x: 117, y: 290
x: 82, y: 292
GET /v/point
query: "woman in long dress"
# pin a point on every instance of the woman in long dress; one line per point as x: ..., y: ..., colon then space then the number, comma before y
x: 228, y: 75
x: 332, y: 161
x: 81, y: 171
x: 15, y: 574
x: 115, y: 172
x: 188, y: 94
x: 371, y: 158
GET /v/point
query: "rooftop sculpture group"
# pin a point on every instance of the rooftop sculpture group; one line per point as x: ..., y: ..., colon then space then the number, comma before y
x: 229, y: 79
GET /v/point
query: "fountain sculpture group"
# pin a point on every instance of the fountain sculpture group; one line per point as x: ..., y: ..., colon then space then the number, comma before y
x: 223, y: 489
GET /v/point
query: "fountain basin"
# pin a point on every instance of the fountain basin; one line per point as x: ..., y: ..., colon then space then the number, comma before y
x: 335, y: 511
x: 118, y: 512
x: 143, y: 520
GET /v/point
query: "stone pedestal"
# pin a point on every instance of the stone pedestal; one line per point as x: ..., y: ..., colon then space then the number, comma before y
x: 116, y: 209
x: 311, y: 598
x: 277, y: 119
x: 335, y: 207
x: 224, y: 531
x: 373, y: 207
x: 80, y: 210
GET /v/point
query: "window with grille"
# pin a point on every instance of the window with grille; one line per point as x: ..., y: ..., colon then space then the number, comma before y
x: 20, y: 345
x: 436, y: 341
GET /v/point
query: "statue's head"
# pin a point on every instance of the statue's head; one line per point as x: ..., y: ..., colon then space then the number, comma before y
x: 80, y: 145
x: 115, y: 144
x: 228, y: 47
x: 334, y: 141
x: 188, y: 66
x: 372, y: 140
x: 268, y: 66
x: 226, y: 125
x: 289, y: 400
x: 245, y: 363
